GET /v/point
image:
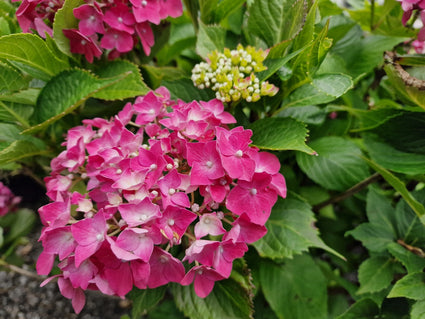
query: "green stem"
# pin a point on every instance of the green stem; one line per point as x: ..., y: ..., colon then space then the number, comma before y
x: 19, y: 270
x: 349, y: 192
x: 372, y: 14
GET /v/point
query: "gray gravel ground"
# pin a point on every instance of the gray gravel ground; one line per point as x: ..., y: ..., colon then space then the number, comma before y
x: 21, y: 297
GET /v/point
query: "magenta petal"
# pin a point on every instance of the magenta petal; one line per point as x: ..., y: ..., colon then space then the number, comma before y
x: 45, y: 263
x: 78, y: 300
x: 120, y: 280
x: 84, y: 252
x: 203, y: 286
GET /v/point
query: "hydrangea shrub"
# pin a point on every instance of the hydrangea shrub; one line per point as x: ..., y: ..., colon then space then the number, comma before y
x: 169, y: 190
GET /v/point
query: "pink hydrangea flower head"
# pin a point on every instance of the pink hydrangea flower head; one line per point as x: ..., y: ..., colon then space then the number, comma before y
x: 163, y: 188
x: 8, y: 201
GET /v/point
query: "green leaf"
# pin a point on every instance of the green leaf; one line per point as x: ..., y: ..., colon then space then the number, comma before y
x: 296, y: 289
x: 337, y: 166
x: 411, y: 60
x: 65, y: 19
x: 375, y: 274
x: 167, y: 309
x: 274, y: 21
x: 9, y: 132
x: 386, y: 18
x: 412, y: 262
x: 65, y: 92
x: 323, y: 89
x: 10, y: 113
x: 23, y: 221
x: 370, y: 119
x: 418, y: 310
x: 214, y: 11
x: 273, y: 65
x: 155, y: 75
x: 310, y: 114
x: 27, y: 96
x: 291, y: 231
x: 226, y: 8
x: 362, y: 54
x: 308, y: 62
x: 145, y: 299
x: 405, y: 132
x: 206, y: 8
x: 393, y: 159
x: 185, y: 90
x: 21, y: 149
x: 227, y: 300
x: 380, y: 230
x: 210, y: 38
x: 131, y: 86
x: 409, y: 226
x: 280, y: 134
x: 362, y: 309
x: 411, y: 286
x: 11, y: 80
x: 30, y: 53
x: 399, y: 186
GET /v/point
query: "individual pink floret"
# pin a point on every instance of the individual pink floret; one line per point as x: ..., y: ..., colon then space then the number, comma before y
x: 91, y: 19
x: 203, y: 279
x: 81, y: 44
x: 89, y: 234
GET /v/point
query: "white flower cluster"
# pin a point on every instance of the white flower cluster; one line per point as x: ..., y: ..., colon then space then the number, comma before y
x: 231, y: 75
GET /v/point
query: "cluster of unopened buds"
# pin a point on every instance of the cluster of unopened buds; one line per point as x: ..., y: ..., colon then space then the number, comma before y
x: 409, y: 7
x: 231, y: 75
x: 161, y: 184
x: 113, y: 25
x: 8, y: 201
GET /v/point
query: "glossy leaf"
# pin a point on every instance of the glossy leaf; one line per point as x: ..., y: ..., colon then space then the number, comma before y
x: 280, y: 134
x: 323, y: 89
x: 274, y: 21
x: 295, y: 289
x: 337, y: 166
x: 210, y: 38
x: 146, y: 299
x: 418, y: 310
x: 412, y: 262
x: 183, y: 89
x: 380, y: 231
x: 290, y: 231
x: 131, y: 86
x: 393, y: 159
x: 411, y: 286
x: 375, y: 274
